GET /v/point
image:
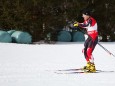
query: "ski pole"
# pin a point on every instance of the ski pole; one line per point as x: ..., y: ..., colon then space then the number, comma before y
x: 106, y: 49
x: 100, y: 45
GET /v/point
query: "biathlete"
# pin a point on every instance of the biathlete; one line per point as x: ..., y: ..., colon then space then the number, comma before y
x: 90, y: 25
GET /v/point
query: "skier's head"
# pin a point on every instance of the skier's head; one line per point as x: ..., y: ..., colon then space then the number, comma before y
x: 85, y: 14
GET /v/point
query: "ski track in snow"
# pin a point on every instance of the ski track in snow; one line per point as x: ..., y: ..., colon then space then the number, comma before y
x: 35, y: 65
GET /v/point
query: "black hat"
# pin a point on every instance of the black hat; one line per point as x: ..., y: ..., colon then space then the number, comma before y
x: 86, y: 12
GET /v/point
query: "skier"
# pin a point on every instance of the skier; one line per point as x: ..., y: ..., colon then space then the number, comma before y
x: 90, y: 25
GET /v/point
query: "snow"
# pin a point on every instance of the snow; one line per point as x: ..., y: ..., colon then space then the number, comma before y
x: 34, y: 65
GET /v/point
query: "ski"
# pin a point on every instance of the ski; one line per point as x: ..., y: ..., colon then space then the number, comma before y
x: 71, y: 69
x: 78, y: 71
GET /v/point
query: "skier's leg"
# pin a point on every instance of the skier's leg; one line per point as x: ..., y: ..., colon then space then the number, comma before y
x: 85, y: 49
x: 85, y: 54
x: 90, y: 67
x: 89, y: 55
x: 90, y: 49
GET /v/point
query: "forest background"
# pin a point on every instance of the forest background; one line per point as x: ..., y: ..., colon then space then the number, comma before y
x: 40, y: 17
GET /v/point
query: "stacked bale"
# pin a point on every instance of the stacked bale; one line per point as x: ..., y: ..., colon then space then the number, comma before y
x: 78, y: 36
x: 64, y: 36
x: 5, y: 37
x: 21, y: 37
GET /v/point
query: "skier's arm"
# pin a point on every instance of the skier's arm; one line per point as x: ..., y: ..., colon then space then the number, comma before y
x: 85, y: 25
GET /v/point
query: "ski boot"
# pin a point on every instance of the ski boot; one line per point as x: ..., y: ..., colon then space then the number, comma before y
x: 87, y: 67
x: 90, y: 67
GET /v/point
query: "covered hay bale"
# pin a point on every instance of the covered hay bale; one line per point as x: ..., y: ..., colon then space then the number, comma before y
x: 78, y: 37
x: 21, y: 37
x: 5, y: 37
x: 64, y: 36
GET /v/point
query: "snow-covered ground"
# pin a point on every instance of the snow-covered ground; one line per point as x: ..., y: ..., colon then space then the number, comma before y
x: 34, y: 65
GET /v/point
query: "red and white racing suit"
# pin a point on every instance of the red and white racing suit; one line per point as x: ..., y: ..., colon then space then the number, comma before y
x: 90, y: 43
